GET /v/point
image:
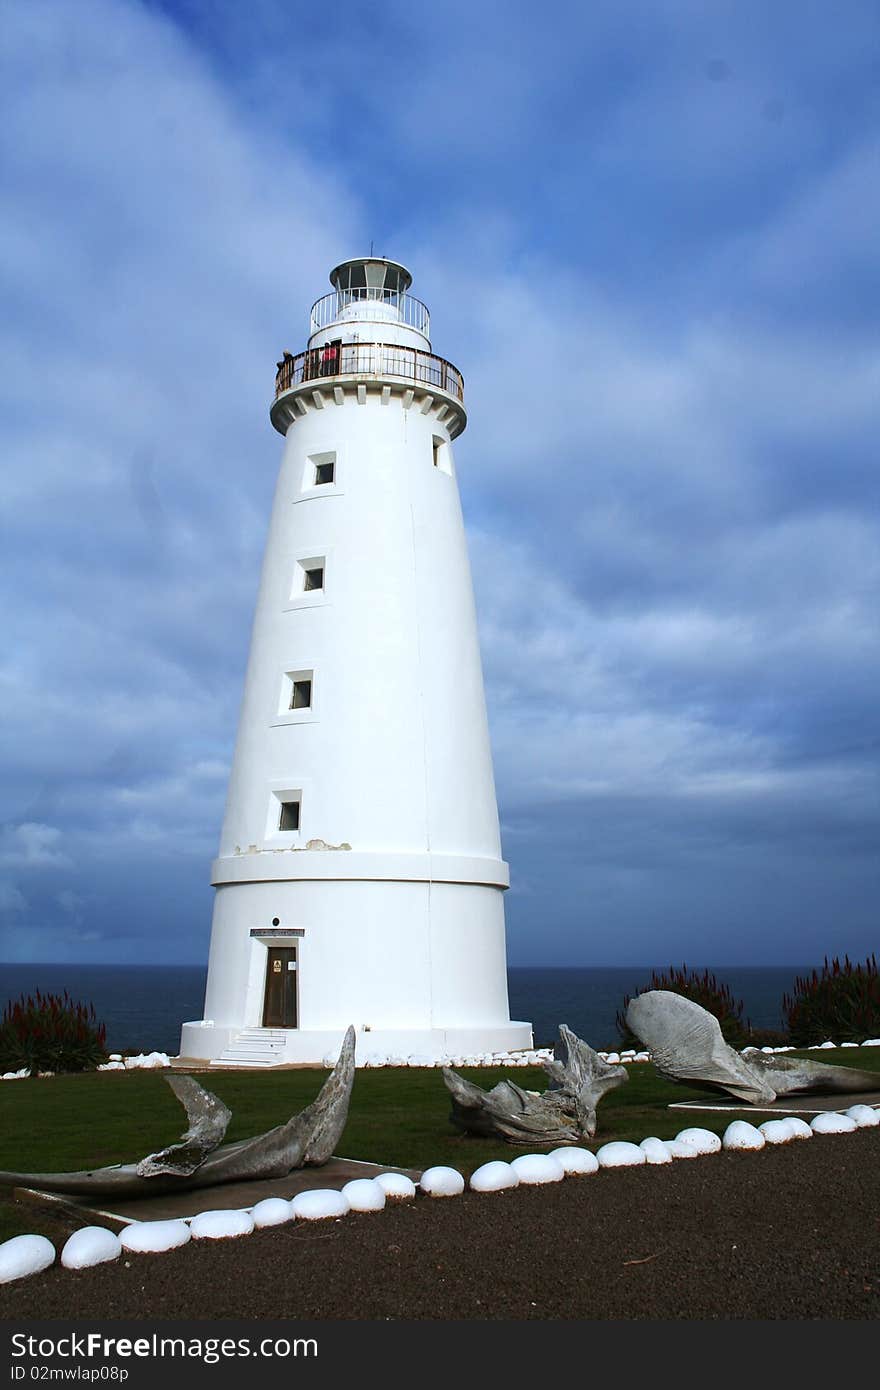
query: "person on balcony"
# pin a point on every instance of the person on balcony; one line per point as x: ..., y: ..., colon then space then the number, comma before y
x: 284, y: 374
x: 329, y: 359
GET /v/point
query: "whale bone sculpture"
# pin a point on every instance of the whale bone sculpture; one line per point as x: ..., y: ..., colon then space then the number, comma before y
x: 686, y: 1045
x: 199, y: 1160
x: 564, y: 1113
x: 208, y: 1118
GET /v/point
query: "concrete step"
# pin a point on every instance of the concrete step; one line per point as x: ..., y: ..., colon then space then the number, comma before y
x: 253, y: 1047
x: 244, y: 1062
x: 245, y: 1050
x: 241, y: 1059
x: 241, y: 1054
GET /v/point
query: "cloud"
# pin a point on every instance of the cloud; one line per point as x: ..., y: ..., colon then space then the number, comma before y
x: 819, y: 242
x: 12, y: 900
x: 31, y: 845
x: 158, y: 254
x: 72, y: 904
x: 658, y: 296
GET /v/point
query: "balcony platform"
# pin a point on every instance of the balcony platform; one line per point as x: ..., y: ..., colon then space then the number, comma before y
x: 436, y: 393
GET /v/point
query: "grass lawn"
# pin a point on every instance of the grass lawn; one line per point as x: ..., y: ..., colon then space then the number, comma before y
x: 398, y: 1117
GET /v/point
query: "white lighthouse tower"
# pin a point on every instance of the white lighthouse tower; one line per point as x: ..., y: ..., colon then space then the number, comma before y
x: 360, y: 878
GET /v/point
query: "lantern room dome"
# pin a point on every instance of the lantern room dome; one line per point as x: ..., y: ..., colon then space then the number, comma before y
x: 371, y: 273
x: 370, y: 290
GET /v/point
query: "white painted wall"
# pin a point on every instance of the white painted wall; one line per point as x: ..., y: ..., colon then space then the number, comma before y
x: 404, y: 931
x: 362, y: 941
x: 396, y: 755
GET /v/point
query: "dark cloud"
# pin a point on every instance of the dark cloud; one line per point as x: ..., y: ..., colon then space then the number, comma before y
x: 658, y: 280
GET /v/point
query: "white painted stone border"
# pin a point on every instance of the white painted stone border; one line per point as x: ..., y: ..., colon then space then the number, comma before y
x: 690, y: 1143
x: 535, y: 1057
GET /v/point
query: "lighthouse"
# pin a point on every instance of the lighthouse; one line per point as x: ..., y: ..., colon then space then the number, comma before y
x: 359, y: 878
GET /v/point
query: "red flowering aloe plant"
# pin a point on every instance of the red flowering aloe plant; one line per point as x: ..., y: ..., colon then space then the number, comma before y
x: 50, y: 1032
x: 840, y: 1003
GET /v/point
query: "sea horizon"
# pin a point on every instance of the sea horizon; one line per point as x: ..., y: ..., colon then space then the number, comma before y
x: 143, y: 1006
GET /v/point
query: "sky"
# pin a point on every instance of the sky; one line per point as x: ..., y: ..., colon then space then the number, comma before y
x: 647, y: 234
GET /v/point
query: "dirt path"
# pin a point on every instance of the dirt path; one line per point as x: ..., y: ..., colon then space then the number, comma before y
x: 792, y: 1232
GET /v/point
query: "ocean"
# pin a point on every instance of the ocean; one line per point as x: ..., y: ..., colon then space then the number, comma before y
x: 143, y: 1006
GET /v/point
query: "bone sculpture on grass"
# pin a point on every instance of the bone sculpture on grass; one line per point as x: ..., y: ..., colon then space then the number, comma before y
x: 564, y: 1114
x: 686, y: 1045
x: 200, y: 1160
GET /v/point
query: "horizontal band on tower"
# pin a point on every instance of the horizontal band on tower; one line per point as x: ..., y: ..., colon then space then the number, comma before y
x: 285, y: 864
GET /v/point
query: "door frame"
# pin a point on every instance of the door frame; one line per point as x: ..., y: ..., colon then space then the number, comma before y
x: 261, y: 940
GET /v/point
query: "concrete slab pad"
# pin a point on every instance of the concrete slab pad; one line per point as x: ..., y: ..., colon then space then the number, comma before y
x: 785, y: 1105
x: 231, y: 1196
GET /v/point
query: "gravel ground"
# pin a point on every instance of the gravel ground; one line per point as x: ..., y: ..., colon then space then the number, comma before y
x: 789, y: 1233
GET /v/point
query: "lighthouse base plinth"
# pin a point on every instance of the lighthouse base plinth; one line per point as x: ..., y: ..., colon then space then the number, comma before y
x: 206, y: 1042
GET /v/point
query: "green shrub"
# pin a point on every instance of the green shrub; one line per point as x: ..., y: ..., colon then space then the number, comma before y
x: 841, y: 1003
x: 704, y: 990
x: 50, y: 1032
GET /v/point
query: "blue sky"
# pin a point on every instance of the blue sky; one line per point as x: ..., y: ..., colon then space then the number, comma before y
x: 648, y: 235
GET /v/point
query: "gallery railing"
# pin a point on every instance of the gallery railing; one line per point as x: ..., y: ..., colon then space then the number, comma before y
x: 369, y: 359
x: 372, y: 303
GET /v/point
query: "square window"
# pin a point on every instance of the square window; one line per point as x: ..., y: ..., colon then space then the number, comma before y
x: 301, y: 694
x: 296, y: 705
x: 441, y: 453
x: 284, y: 821
x: 308, y: 582
x: 320, y: 470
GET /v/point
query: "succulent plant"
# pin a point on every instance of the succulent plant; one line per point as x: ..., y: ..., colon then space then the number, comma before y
x: 50, y: 1032
x: 841, y: 1003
